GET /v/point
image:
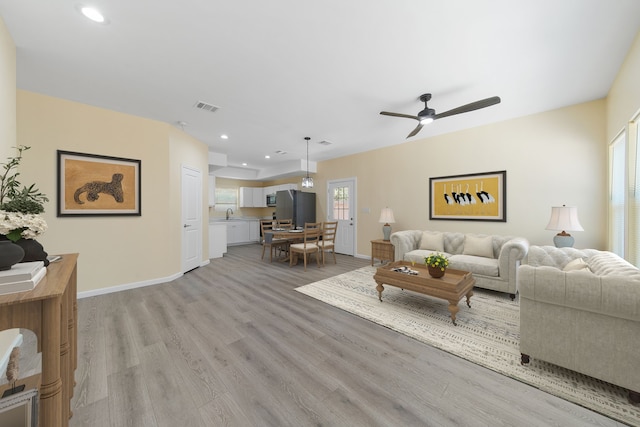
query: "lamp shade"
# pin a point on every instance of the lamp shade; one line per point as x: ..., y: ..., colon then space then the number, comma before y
x: 564, y: 218
x: 386, y: 216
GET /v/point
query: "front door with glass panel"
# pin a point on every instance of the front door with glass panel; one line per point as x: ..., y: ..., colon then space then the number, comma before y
x: 341, y: 207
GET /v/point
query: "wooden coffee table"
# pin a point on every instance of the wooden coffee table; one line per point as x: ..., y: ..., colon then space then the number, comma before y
x: 454, y: 285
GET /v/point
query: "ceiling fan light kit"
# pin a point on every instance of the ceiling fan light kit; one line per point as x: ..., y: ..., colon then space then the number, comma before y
x: 428, y: 115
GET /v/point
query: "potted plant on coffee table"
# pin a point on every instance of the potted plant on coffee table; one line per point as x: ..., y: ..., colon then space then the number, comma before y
x: 437, y: 264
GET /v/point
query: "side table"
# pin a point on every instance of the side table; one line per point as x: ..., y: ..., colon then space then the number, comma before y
x: 382, y: 250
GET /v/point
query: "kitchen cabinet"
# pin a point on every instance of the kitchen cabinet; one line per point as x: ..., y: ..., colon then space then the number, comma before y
x: 246, y: 197
x: 252, y: 197
x: 212, y: 190
x: 238, y: 232
x: 259, y: 200
x: 217, y: 239
x: 256, y: 197
x: 254, y: 231
x: 242, y: 231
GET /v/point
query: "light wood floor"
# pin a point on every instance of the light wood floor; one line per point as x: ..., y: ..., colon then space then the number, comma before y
x: 232, y: 344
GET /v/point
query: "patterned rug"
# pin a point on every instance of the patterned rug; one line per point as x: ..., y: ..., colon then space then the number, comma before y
x: 487, y: 334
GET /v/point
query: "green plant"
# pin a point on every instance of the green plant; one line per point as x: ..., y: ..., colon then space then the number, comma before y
x: 14, y: 199
x: 437, y: 260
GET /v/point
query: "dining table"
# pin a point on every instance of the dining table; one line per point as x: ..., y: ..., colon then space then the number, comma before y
x: 292, y: 235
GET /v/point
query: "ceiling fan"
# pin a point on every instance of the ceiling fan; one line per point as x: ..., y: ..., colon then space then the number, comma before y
x: 429, y: 114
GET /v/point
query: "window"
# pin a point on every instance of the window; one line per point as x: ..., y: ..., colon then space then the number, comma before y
x: 617, y: 192
x: 624, y: 193
x: 341, y: 203
x: 634, y: 195
x: 226, y: 198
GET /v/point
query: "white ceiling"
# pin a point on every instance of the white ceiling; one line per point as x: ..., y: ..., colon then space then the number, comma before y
x: 281, y: 70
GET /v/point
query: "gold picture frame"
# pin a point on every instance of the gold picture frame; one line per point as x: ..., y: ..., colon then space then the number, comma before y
x: 91, y: 184
x: 471, y: 197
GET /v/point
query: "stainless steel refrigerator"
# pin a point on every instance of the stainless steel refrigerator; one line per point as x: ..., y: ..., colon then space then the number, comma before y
x: 297, y: 206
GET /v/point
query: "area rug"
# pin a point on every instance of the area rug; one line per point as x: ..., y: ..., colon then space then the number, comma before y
x: 487, y: 334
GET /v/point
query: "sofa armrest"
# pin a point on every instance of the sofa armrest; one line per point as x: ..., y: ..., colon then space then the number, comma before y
x: 512, y: 253
x: 405, y: 241
x: 616, y: 296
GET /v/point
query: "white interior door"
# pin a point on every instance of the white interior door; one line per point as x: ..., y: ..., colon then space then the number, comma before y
x: 341, y: 199
x: 191, y: 218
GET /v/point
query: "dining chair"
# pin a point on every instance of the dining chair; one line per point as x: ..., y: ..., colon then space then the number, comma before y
x: 309, y: 245
x: 328, y: 241
x: 285, y: 223
x: 267, y: 225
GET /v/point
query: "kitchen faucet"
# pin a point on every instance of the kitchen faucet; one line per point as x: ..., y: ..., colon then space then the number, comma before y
x: 229, y: 212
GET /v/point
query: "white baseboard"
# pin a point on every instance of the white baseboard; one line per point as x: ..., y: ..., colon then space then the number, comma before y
x: 127, y: 286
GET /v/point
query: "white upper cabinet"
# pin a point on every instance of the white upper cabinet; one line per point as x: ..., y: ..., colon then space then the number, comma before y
x: 246, y: 197
x: 256, y: 197
x: 252, y: 197
x: 259, y: 199
x: 212, y: 190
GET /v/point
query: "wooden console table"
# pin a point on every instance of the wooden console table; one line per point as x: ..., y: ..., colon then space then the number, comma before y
x: 50, y: 311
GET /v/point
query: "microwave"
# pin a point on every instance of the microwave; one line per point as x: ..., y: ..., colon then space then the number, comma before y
x: 271, y: 199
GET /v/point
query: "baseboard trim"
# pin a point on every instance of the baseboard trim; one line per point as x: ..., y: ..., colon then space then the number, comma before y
x: 134, y: 285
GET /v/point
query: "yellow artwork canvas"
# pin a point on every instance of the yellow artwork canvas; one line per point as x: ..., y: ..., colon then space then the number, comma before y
x: 470, y: 197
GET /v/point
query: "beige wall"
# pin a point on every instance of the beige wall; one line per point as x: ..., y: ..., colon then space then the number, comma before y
x: 7, y: 92
x: 623, y: 100
x: 113, y: 250
x: 552, y: 158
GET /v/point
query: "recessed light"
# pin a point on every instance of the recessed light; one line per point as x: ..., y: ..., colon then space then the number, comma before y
x: 92, y: 13
x: 267, y: 156
x: 224, y: 136
x: 244, y: 164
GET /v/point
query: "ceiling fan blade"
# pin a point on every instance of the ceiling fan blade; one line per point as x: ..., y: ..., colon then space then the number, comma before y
x: 470, y: 107
x: 406, y: 116
x: 415, y: 131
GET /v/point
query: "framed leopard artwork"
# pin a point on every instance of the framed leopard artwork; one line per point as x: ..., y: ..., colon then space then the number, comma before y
x: 91, y: 184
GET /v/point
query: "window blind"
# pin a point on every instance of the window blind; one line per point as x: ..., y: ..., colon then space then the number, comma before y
x: 617, y: 196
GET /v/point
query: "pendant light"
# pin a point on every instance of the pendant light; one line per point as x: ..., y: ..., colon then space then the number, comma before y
x: 307, y: 181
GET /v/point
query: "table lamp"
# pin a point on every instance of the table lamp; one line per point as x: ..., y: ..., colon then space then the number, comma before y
x: 564, y: 218
x: 386, y: 216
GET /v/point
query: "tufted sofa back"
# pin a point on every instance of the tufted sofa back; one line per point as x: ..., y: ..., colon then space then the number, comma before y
x: 601, y: 263
x: 555, y: 257
x: 454, y: 242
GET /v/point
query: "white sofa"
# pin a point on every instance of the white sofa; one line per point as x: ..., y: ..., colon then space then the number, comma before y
x: 492, y: 259
x: 580, y: 309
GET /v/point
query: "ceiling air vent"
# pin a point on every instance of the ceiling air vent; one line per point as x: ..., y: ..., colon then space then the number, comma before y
x: 324, y: 142
x: 201, y: 105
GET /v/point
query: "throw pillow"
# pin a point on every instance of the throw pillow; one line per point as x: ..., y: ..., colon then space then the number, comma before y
x: 432, y: 241
x: 478, y: 246
x: 575, y: 265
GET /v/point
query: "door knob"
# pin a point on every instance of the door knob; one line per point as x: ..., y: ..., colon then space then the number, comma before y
x: 186, y: 225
